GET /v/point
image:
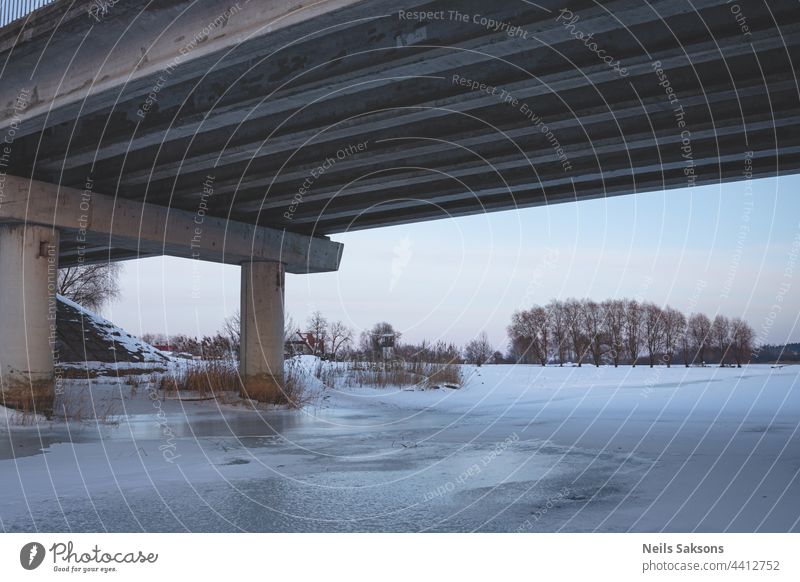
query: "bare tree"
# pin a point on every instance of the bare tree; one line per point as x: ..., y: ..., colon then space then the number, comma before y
x: 318, y: 325
x: 92, y: 286
x: 633, y: 329
x: 614, y: 326
x: 575, y: 319
x: 742, y: 341
x: 232, y: 330
x: 541, y: 326
x: 721, y: 334
x: 340, y: 335
x: 674, y: 326
x: 522, y: 336
x: 288, y: 328
x: 593, y: 321
x: 686, y: 345
x: 479, y: 350
x: 558, y: 327
x: 370, y: 340
x: 653, y: 328
x: 625, y: 327
x: 529, y: 334
x: 700, y: 330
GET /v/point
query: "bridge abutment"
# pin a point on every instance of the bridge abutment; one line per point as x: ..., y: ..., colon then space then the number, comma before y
x: 261, y: 349
x: 28, y: 286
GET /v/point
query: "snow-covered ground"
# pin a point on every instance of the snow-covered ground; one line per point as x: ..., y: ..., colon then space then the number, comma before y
x: 518, y: 448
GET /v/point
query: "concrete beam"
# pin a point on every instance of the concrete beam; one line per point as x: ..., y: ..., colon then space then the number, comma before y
x: 358, y: 84
x: 714, y: 173
x: 133, y: 42
x: 375, y: 125
x: 85, y: 217
x: 538, y: 171
x: 386, y: 167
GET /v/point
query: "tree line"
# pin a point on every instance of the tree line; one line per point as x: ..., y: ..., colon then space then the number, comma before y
x: 786, y: 353
x: 616, y: 331
x: 625, y: 331
x: 340, y: 342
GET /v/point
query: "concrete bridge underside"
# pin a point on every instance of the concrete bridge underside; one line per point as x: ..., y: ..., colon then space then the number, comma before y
x: 280, y: 123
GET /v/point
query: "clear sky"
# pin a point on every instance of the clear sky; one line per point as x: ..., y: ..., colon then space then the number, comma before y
x: 729, y: 248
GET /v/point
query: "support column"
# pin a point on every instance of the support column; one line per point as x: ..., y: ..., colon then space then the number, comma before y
x: 261, y: 349
x: 28, y: 284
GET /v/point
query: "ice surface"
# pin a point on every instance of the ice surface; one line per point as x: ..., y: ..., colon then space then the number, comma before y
x: 518, y: 448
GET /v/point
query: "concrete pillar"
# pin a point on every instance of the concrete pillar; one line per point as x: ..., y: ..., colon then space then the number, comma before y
x: 261, y: 351
x: 28, y: 284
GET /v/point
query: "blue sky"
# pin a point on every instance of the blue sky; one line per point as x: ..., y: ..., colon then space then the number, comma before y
x: 725, y: 248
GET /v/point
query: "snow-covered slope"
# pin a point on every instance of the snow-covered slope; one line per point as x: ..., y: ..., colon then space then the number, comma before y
x: 84, y: 336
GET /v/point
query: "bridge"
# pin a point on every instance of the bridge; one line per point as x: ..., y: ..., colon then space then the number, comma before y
x: 247, y: 132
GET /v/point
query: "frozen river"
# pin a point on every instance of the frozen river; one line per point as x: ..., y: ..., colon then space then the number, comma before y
x: 519, y: 448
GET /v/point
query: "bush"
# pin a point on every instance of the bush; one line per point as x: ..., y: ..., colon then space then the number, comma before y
x: 208, y: 378
x: 215, y: 378
x: 403, y: 374
x: 28, y: 397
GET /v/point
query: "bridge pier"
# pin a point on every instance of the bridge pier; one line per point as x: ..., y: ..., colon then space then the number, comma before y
x: 116, y: 228
x: 28, y: 285
x: 261, y: 338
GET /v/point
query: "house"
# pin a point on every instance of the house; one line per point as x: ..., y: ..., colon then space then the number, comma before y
x: 300, y: 343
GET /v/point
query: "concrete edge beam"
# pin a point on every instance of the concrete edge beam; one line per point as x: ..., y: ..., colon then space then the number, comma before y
x: 187, y: 31
x: 150, y: 229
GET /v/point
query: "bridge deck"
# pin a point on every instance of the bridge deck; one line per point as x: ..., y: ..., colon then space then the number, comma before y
x: 351, y: 115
